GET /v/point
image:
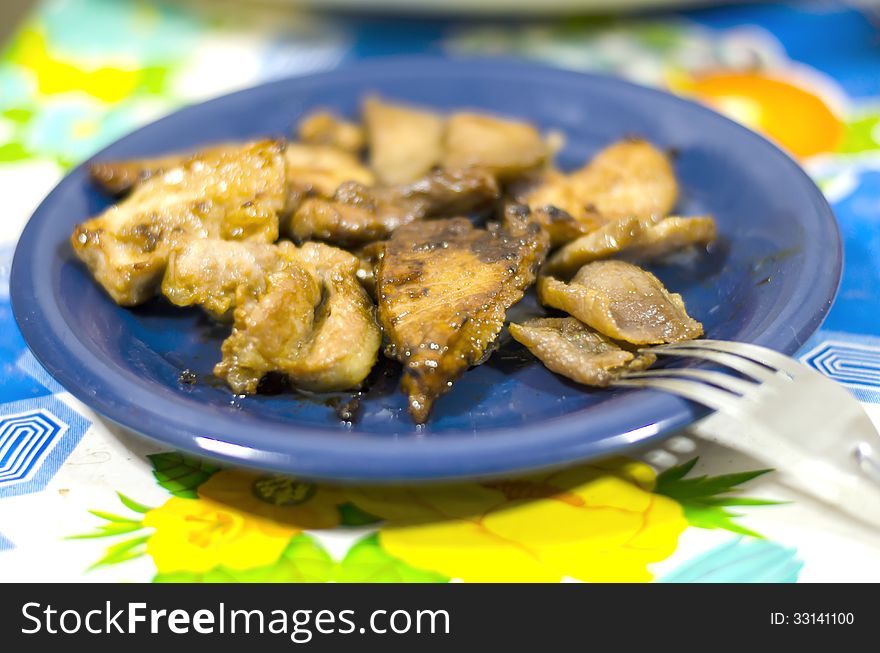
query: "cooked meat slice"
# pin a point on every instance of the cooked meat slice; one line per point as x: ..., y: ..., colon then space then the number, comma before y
x: 405, y: 142
x: 230, y: 194
x: 672, y: 234
x: 346, y: 339
x: 209, y: 272
x: 507, y: 148
x: 447, y: 192
x: 271, y: 329
x: 634, y: 238
x: 569, y: 347
x: 326, y: 128
x: 320, y: 170
x: 358, y: 214
x: 347, y: 223
x: 604, y: 242
x: 120, y: 177
x: 623, y: 302
x: 311, y: 169
x: 560, y: 225
x: 369, y: 257
x: 314, y: 323
x: 630, y: 178
x: 444, y: 288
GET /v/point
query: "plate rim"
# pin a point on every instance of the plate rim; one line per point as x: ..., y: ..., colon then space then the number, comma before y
x: 407, y: 459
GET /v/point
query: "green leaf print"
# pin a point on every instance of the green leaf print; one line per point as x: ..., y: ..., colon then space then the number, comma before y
x: 117, y: 519
x: 862, y: 135
x: 131, y: 504
x: 18, y: 114
x: 13, y: 151
x: 701, y: 496
x: 116, y: 524
x: 109, y: 530
x: 180, y: 474
x: 351, y: 515
x: 122, y: 551
x: 368, y: 562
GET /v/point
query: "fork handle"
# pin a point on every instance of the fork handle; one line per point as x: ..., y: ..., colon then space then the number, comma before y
x: 854, y: 492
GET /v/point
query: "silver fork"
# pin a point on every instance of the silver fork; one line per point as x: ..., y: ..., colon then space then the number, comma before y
x: 790, y: 417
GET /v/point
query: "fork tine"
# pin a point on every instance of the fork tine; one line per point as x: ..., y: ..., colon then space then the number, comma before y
x: 724, y: 381
x: 757, y: 353
x: 694, y: 390
x: 738, y: 363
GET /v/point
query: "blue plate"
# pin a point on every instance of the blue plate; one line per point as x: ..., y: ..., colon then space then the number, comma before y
x: 770, y: 280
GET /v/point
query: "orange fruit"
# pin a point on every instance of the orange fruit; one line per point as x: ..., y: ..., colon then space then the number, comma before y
x: 795, y: 117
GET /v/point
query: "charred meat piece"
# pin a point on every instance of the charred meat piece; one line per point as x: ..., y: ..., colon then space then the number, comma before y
x: 405, y: 142
x: 120, y: 177
x: 623, y: 302
x: 446, y: 192
x: 637, y: 239
x: 311, y: 169
x: 211, y: 273
x: 507, y: 148
x: 318, y: 170
x: 444, y: 288
x: 345, y: 344
x: 326, y: 128
x: 630, y: 178
x: 230, y: 194
x: 270, y: 329
x: 359, y: 214
x: 313, y: 323
x: 569, y: 347
x: 561, y: 226
x: 369, y: 257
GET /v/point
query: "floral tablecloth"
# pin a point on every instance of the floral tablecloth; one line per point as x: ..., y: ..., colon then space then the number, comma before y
x: 81, y: 500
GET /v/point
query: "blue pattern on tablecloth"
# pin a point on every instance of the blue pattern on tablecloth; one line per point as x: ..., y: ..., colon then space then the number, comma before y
x: 856, y: 308
x: 16, y: 381
x: 5, y: 543
x: 36, y: 437
x: 850, y: 359
x: 740, y: 561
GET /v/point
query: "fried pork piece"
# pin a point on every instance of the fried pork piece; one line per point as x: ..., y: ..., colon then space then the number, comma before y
x: 623, y: 302
x: 569, y: 347
x: 210, y: 272
x: 325, y: 128
x: 320, y: 170
x: 634, y: 238
x: 369, y: 257
x: 311, y: 169
x: 120, y: 177
x: 405, y: 142
x: 560, y: 225
x: 230, y: 194
x: 630, y: 178
x: 313, y: 322
x: 507, y: 148
x: 444, y: 288
x: 345, y: 344
x: 358, y: 214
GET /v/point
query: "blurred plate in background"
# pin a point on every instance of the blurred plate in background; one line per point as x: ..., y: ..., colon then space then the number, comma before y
x: 496, y: 7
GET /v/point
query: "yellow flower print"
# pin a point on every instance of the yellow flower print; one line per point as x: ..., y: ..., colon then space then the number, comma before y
x: 594, y: 523
x: 276, y: 498
x: 56, y: 75
x: 241, y: 520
